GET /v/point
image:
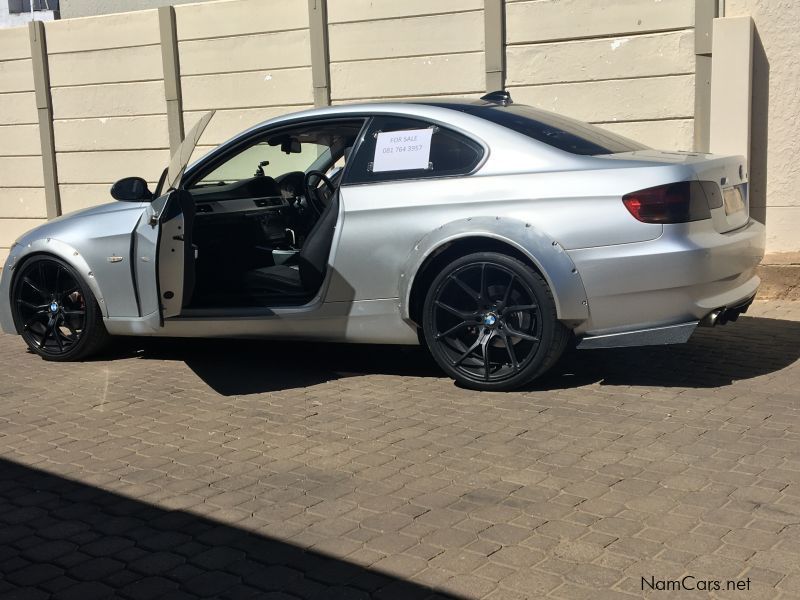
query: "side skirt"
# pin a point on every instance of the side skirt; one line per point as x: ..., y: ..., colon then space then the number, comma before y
x: 361, y: 321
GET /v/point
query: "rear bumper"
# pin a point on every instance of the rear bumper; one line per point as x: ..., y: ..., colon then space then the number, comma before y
x: 679, y: 278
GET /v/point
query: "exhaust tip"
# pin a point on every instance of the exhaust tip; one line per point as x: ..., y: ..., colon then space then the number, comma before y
x: 710, y: 320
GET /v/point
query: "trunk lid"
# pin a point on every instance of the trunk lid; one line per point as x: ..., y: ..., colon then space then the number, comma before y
x: 725, y: 179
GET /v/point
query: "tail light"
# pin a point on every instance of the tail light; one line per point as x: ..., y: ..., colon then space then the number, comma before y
x: 679, y: 202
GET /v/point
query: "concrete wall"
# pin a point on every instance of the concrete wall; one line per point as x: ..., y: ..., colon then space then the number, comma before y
x: 22, y: 204
x: 249, y: 59
x: 627, y: 65
x: 405, y: 49
x: 632, y: 66
x: 109, y: 112
x: 775, y: 130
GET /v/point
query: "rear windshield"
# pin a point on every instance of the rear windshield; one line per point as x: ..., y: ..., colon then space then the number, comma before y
x: 554, y: 130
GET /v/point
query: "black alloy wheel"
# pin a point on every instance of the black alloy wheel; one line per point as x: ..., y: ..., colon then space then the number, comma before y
x: 490, y: 322
x: 54, y: 310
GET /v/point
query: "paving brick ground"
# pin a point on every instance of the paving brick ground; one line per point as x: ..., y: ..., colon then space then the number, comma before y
x: 261, y: 470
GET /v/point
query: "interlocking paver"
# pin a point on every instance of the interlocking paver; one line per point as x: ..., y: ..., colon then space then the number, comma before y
x: 224, y: 469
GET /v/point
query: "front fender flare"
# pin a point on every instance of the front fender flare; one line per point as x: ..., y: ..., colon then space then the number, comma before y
x: 546, y: 253
x: 59, y: 249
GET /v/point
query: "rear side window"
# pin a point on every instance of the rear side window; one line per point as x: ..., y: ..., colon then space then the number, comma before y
x: 398, y: 148
x: 569, y: 135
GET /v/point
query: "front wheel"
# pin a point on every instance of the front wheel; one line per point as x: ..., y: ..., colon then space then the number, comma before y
x: 490, y: 322
x: 55, y: 311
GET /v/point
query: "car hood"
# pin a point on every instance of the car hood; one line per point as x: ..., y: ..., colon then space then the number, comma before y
x: 70, y: 221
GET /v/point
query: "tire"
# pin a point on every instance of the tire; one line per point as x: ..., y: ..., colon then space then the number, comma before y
x: 55, y: 311
x: 490, y: 322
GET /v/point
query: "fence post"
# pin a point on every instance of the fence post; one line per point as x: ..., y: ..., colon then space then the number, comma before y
x: 704, y: 13
x: 320, y: 64
x: 495, y: 44
x: 172, y: 75
x: 44, y: 108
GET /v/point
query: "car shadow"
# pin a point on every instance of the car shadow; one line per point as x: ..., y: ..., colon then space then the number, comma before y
x: 749, y: 348
x: 241, y: 367
x: 62, y: 538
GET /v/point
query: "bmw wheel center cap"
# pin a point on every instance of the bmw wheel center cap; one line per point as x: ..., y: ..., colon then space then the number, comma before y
x: 54, y: 307
x: 489, y: 319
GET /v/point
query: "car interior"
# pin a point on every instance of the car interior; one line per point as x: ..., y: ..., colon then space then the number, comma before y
x: 264, y: 218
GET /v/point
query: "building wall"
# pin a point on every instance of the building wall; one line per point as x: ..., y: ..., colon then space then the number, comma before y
x: 775, y: 130
x: 90, y: 8
x: 17, y: 20
x: 22, y: 204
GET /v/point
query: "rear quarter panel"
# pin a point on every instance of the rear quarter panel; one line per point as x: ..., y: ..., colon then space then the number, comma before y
x: 384, y: 222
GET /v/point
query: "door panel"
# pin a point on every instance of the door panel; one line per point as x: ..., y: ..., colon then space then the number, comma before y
x: 171, y: 263
x: 161, y: 251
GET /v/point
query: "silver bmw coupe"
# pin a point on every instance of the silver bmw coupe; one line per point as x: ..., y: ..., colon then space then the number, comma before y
x: 494, y: 233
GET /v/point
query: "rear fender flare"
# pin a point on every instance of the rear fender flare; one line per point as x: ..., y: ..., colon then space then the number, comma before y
x: 62, y: 250
x: 543, y: 251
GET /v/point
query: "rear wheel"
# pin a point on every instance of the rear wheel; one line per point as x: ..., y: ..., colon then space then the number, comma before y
x: 490, y: 322
x: 55, y: 311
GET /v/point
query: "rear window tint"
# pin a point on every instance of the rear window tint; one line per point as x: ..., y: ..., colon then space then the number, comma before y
x: 569, y: 135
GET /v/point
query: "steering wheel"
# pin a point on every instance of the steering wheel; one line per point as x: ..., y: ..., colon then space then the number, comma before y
x: 312, y: 193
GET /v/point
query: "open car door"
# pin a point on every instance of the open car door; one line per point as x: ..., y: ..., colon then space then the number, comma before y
x: 163, y: 254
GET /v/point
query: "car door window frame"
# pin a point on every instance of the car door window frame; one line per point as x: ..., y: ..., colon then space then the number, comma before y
x: 225, y: 152
x: 366, y: 145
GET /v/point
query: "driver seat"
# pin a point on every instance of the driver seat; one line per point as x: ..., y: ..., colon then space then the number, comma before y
x: 303, y: 275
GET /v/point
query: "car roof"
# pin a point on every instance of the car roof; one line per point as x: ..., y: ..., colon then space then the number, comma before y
x: 455, y: 112
x: 452, y: 111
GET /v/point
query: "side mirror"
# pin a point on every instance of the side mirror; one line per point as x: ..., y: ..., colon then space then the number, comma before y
x: 131, y: 189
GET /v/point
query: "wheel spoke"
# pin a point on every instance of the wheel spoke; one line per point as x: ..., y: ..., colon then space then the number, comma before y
x: 472, y: 293
x: 71, y: 290
x: 520, y: 308
x: 507, y: 293
x: 525, y: 336
x: 47, y: 331
x: 511, y: 354
x: 453, y: 329
x: 36, y: 307
x: 30, y: 322
x: 81, y: 312
x: 461, y: 314
x: 36, y: 289
x: 484, y: 290
x: 469, y: 351
x: 485, y: 353
x: 57, y: 335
